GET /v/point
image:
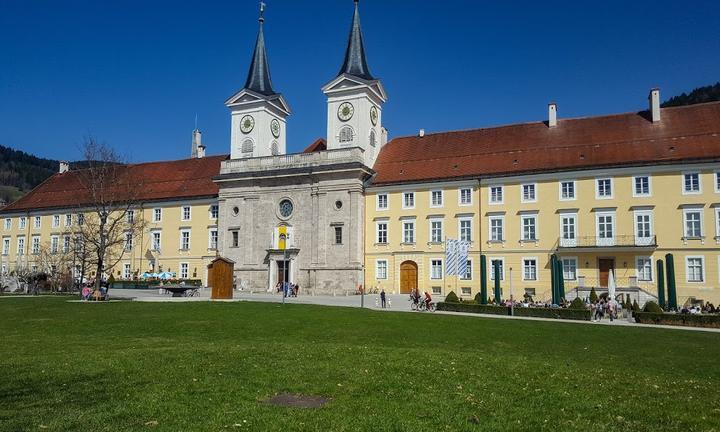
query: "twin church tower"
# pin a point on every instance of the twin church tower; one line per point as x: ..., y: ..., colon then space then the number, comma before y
x: 355, y: 100
x: 299, y: 218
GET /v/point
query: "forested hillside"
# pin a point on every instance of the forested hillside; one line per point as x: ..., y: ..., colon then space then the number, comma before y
x: 20, y: 172
x: 709, y: 93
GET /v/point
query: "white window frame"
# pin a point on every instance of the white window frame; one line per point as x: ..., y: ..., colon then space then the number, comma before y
x: 687, y: 268
x: 717, y: 223
x: 128, y: 241
x: 6, y: 246
x: 153, y: 245
x: 637, y: 268
x: 8, y: 224
x: 524, y: 217
x: 127, y: 271
x: 491, y: 270
x: 605, y: 241
x: 442, y: 198
x: 535, y: 193
x: 157, y: 212
x: 56, y: 221
x: 387, y: 231
x: 569, y: 242
x: 67, y: 243
x: 597, y: 188
x: 638, y: 239
x: 433, y: 268
x: 404, y: 200
x: 23, y: 222
x: 469, y: 267
x: 130, y: 216
x: 210, y: 238
x: 182, y: 213
x: 182, y: 232
x: 378, y: 207
x: 635, y: 193
x: 460, y: 229
x: 35, y: 245
x: 501, y: 218
x: 717, y: 181
x: 21, y: 245
x: 378, y: 274
x: 68, y: 220
x: 575, y: 260
x: 537, y: 275
x: 685, y: 220
x: 430, y: 230
x: 460, y: 197
x: 184, y: 268
x: 414, y: 232
x: 699, y: 176
x: 560, y: 190
x: 37, y: 222
x: 490, y: 194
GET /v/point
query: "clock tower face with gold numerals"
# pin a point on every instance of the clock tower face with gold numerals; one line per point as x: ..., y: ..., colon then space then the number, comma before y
x: 374, y: 115
x: 275, y: 128
x: 247, y: 124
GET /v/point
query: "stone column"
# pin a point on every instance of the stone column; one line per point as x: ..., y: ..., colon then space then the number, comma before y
x: 314, y: 240
x: 322, y: 228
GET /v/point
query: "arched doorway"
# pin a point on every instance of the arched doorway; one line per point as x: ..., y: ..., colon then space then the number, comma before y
x: 408, y: 277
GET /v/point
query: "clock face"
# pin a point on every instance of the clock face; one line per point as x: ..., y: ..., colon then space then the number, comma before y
x: 247, y: 124
x: 286, y: 208
x: 374, y: 116
x: 346, y: 111
x: 275, y: 128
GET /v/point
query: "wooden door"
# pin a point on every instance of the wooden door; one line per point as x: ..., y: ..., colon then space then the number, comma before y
x: 408, y: 277
x: 605, y: 265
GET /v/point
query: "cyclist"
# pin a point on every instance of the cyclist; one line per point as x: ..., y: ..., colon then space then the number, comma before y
x: 428, y: 300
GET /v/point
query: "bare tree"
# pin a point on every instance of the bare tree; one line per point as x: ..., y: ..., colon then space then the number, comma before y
x: 107, y: 219
x: 55, y: 262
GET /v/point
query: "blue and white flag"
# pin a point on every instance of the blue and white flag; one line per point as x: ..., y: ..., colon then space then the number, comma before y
x: 451, y: 256
x: 462, y: 257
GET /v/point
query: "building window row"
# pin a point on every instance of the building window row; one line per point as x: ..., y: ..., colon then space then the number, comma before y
x: 437, y: 199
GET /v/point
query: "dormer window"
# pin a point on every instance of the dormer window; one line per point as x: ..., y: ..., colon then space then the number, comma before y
x: 346, y: 135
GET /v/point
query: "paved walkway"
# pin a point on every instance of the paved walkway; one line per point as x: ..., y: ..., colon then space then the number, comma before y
x: 396, y: 303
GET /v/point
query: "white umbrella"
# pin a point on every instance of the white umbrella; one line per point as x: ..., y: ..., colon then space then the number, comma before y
x: 611, y: 286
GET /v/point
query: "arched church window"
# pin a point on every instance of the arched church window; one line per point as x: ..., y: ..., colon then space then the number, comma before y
x: 274, y: 150
x: 247, y: 146
x: 372, y: 138
x: 346, y: 134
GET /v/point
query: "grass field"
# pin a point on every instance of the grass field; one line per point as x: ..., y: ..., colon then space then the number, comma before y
x: 209, y: 367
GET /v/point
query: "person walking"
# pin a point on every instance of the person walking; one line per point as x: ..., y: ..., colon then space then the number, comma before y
x: 382, y: 298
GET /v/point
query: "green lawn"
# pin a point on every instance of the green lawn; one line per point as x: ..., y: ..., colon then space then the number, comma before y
x: 209, y: 366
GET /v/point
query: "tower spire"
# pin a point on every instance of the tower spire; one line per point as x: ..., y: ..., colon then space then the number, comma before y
x: 355, y: 61
x: 258, y: 79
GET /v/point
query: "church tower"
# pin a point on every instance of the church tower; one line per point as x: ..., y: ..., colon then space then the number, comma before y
x: 355, y: 100
x: 258, y: 113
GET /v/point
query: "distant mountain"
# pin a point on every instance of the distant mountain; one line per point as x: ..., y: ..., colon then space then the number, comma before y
x: 21, y: 172
x: 709, y: 93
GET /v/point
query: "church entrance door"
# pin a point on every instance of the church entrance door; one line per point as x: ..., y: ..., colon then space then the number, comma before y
x: 408, y: 277
x: 283, y: 274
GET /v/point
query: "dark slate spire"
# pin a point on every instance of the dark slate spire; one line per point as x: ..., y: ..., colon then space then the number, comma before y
x: 258, y: 79
x: 355, y: 62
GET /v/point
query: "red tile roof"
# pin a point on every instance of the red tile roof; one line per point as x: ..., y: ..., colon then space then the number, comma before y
x: 689, y: 133
x: 180, y: 179
x: 319, y: 145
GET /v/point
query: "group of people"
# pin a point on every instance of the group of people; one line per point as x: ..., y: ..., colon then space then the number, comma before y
x: 89, y: 292
x: 612, y: 308
x: 287, y: 289
x: 415, y: 298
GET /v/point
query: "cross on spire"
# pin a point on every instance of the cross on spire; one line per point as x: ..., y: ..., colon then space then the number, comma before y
x: 258, y: 79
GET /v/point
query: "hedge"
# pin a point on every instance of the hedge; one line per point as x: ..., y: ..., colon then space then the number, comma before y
x: 685, y: 320
x: 147, y: 284
x: 571, y: 314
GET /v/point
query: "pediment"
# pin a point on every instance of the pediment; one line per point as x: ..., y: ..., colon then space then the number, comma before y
x: 350, y: 83
x: 247, y: 97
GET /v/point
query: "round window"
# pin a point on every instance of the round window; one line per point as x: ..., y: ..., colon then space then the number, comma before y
x: 338, y: 204
x: 286, y: 208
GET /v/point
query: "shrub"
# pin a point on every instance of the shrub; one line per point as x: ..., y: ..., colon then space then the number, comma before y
x: 452, y: 298
x: 473, y: 308
x: 688, y: 320
x: 628, y: 303
x: 593, y: 296
x: 577, y: 304
x: 478, y: 298
x: 635, y: 306
x: 111, y: 279
x: 652, y: 307
x: 572, y: 314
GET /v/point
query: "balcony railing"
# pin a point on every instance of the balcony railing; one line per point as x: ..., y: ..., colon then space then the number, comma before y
x: 353, y: 154
x: 604, y: 242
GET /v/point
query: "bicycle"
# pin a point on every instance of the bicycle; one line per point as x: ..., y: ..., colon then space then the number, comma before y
x: 423, y: 306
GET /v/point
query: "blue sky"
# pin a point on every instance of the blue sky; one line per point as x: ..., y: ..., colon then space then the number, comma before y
x: 135, y: 73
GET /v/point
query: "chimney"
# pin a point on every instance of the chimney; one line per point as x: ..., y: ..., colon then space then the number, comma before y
x: 201, y: 152
x: 64, y: 167
x: 196, y: 144
x: 552, y: 114
x: 422, y: 133
x: 654, y: 100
